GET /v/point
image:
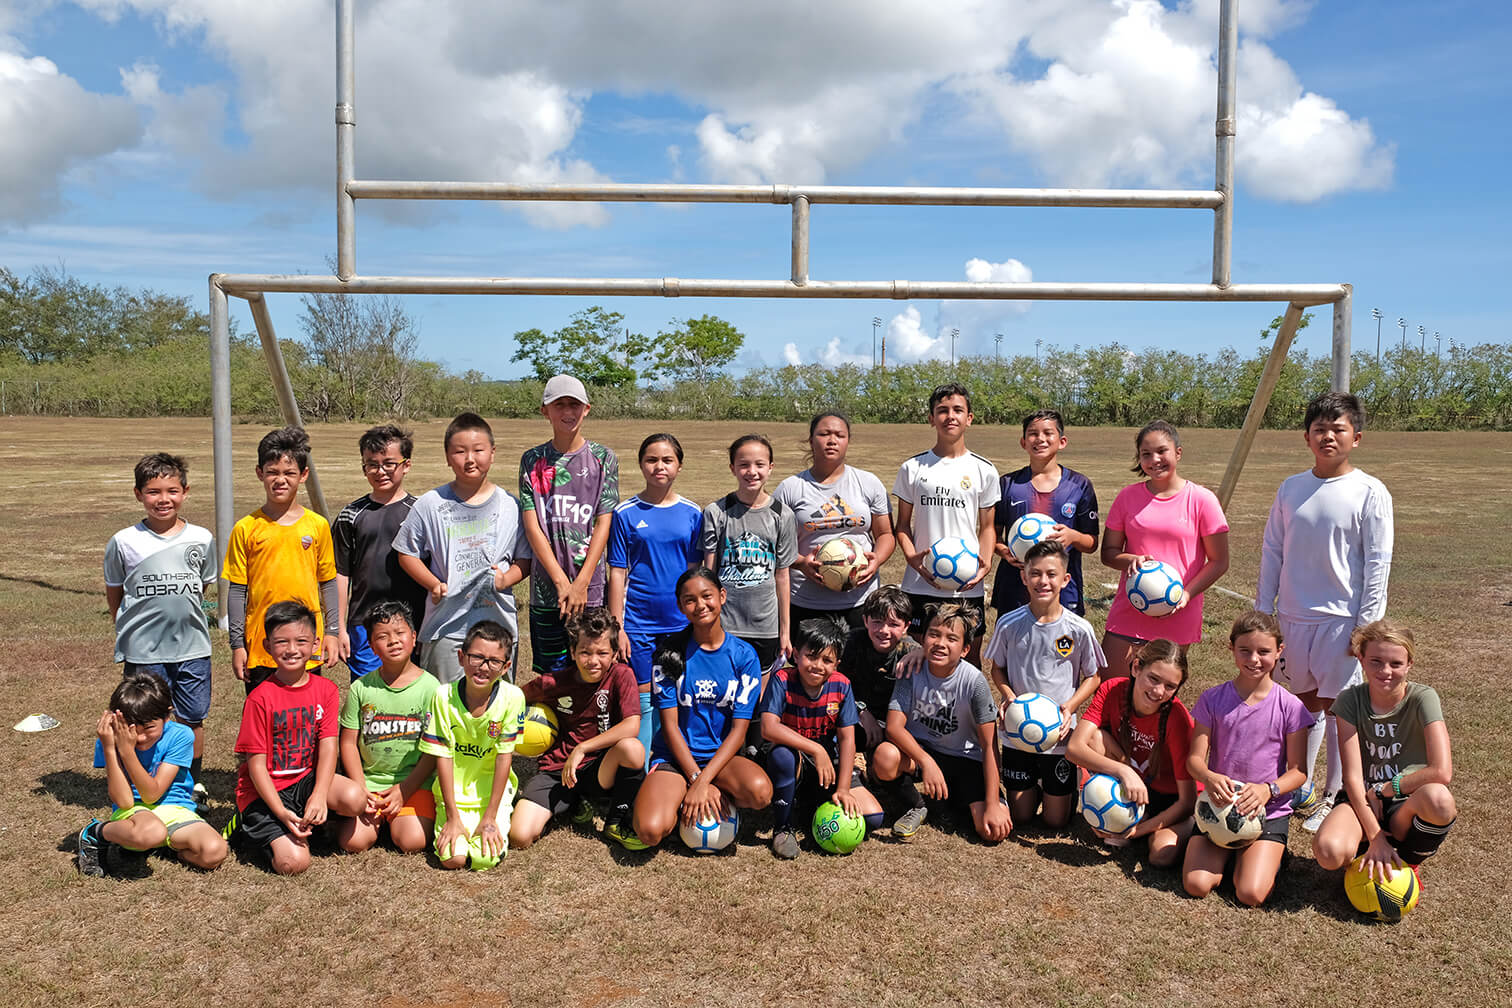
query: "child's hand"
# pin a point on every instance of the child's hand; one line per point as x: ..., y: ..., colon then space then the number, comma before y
x: 451, y: 834
x: 121, y: 734
x: 909, y: 665
x: 997, y: 821
x: 1381, y: 858
x: 344, y: 645
x: 868, y: 572
x: 297, y: 827
x: 330, y: 648
x: 623, y: 648
x: 315, y: 810
x: 933, y: 783
x: 499, y: 577
x: 489, y: 838
x: 572, y: 600
x: 570, y: 768
x: 438, y: 592
x: 872, y: 728
x: 1063, y: 534
x: 847, y: 800
x: 1134, y: 787
x: 979, y: 576
x: 1221, y: 788
x: 106, y: 729
x: 239, y: 663
x: 386, y: 803
x: 1181, y: 604
x: 1251, y: 798
x: 826, y: 770
x: 809, y: 564
x: 703, y: 801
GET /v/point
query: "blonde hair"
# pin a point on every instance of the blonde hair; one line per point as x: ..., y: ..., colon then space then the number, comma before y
x: 1382, y: 632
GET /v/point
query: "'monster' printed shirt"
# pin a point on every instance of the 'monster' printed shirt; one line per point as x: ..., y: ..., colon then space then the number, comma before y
x: 284, y: 725
x: 819, y: 718
x: 568, y: 493
x: 387, y: 722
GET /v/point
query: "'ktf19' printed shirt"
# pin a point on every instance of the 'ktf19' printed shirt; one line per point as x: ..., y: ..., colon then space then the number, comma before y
x: 162, y: 580
x: 284, y: 725
x: 568, y: 493
x: 943, y: 714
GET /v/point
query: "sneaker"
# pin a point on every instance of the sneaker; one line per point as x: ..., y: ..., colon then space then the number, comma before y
x: 201, y: 796
x: 785, y: 844
x: 584, y: 813
x: 909, y: 822
x: 91, y: 863
x: 1305, y: 800
x: 625, y: 837
x: 1315, y: 819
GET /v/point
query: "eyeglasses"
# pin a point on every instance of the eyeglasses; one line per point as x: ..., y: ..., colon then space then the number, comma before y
x: 486, y: 664
x: 384, y: 467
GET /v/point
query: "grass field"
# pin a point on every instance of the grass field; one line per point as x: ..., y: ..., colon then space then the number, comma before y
x: 1041, y: 919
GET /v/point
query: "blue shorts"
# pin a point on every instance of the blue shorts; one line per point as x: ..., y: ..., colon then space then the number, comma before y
x: 363, y: 660
x: 188, y: 683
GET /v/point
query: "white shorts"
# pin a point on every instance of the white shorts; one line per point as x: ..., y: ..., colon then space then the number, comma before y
x: 1317, y: 657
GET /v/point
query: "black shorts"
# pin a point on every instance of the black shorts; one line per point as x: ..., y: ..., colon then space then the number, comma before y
x: 923, y: 605
x: 258, y: 824
x: 547, y: 790
x: 849, y: 617
x: 1159, y: 802
x: 1276, y: 830
x: 766, y: 650
x: 1052, y: 773
x: 963, y: 778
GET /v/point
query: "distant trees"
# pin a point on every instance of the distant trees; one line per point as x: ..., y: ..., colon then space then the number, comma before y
x: 595, y: 346
x: 361, y: 360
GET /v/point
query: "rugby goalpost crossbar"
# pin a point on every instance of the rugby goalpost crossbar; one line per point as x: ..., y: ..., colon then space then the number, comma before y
x: 349, y: 189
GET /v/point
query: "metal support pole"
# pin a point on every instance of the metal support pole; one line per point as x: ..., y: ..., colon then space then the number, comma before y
x: 220, y: 430
x: 346, y: 143
x: 1224, y: 128
x: 1263, y: 390
x: 283, y: 388
x: 1342, y: 317
x: 800, y: 240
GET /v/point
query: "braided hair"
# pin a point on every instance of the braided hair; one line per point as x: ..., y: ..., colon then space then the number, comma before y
x: 1153, y: 652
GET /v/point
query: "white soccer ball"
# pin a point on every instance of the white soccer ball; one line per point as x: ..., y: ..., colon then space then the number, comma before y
x: 953, y: 561
x: 1105, y: 807
x: 1224, y: 826
x: 1027, y: 530
x: 1154, y: 588
x: 1032, y: 722
x: 708, y: 836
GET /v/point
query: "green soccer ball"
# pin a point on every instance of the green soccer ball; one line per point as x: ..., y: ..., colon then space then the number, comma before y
x: 837, y: 832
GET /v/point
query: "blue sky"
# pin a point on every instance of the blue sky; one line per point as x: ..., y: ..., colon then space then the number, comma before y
x: 152, y: 142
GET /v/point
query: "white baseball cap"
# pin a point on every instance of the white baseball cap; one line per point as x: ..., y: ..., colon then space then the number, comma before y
x: 564, y: 387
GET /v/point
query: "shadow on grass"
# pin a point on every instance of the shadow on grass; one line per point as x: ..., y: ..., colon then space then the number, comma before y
x: 70, y: 787
x: 39, y: 583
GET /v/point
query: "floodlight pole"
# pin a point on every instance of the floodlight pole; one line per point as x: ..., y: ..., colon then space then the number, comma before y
x: 876, y: 323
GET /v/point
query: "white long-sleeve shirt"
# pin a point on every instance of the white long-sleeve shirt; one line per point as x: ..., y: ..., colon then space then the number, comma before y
x: 1327, y: 549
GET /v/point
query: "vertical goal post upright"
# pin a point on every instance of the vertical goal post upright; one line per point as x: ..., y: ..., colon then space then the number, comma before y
x: 1296, y: 297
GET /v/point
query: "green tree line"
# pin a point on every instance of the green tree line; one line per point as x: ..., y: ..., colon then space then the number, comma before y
x: 70, y: 348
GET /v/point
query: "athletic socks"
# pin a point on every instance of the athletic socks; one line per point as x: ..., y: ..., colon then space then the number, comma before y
x: 873, y: 821
x: 909, y: 793
x: 782, y: 766
x: 1315, y: 736
x: 1422, y: 840
x: 1333, y: 781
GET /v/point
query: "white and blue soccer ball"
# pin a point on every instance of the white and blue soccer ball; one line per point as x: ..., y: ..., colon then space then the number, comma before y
x: 709, y: 836
x: 1027, y: 530
x: 953, y: 561
x: 1032, y: 722
x: 1154, y: 588
x: 1105, y: 807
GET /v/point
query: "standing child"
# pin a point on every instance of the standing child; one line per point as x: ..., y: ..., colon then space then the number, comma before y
x: 286, y: 782
x: 705, y: 697
x: 367, y: 568
x: 462, y: 543
x: 380, y: 737
x: 1137, y: 730
x: 1397, y: 764
x: 808, y: 714
x: 156, y: 573
x: 1248, y: 736
x: 942, y: 732
x: 281, y: 552
x: 146, y: 759
x: 471, y: 731
x: 748, y: 540
x: 1044, y: 648
x: 597, y: 755
x: 1324, y: 565
x: 1168, y: 518
x: 654, y: 538
x: 947, y: 492
x: 1046, y: 487
x: 569, y: 488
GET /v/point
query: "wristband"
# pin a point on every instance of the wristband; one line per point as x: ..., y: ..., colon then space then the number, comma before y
x: 1396, y: 785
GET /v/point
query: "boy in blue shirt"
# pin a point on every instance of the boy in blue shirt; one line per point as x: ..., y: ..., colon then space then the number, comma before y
x: 146, y: 759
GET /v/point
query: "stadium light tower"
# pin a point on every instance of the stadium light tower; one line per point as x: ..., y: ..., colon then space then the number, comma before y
x: 1375, y: 313
x: 876, y: 324
x: 1422, y: 339
x: 1438, y: 346
x: 1403, y: 323
x: 953, y: 334
x: 1037, y: 344
x: 997, y: 338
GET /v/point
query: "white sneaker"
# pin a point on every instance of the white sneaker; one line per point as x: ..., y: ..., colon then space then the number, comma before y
x: 201, y: 796
x: 1315, y: 819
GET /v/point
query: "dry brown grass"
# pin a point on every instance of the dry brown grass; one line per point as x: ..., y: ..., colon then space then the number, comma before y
x: 1043, y: 919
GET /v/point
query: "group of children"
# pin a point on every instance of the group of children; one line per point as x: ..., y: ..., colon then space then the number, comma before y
x: 696, y: 660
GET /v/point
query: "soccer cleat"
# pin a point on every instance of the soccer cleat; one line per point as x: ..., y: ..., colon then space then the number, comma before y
x: 1316, y: 817
x: 785, y: 843
x: 201, y: 797
x: 584, y: 814
x: 90, y: 842
x: 625, y: 837
x: 1308, y: 804
x: 909, y: 822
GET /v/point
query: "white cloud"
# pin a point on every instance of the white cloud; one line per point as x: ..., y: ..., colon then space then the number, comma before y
x: 907, y: 341
x: 833, y: 356
x: 50, y: 125
x: 790, y: 355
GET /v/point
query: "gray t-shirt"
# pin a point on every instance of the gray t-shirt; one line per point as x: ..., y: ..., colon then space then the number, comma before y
x: 750, y: 545
x: 461, y: 543
x: 1050, y: 658
x: 825, y: 511
x: 944, y: 713
x: 1395, y: 741
x: 162, y: 581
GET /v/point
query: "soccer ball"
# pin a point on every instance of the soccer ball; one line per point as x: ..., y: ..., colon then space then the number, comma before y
x: 1388, y: 901
x: 1154, y: 588
x: 1104, y: 806
x: 1224, y: 826
x: 837, y: 832
x: 540, y: 731
x: 953, y: 561
x: 839, y: 560
x: 1026, y: 531
x: 1032, y: 722
x: 708, y: 836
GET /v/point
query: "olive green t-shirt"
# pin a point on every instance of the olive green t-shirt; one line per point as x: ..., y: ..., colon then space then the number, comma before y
x: 1393, y: 742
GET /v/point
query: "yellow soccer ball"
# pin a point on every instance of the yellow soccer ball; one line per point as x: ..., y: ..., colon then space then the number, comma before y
x: 1390, y: 900
x: 540, y: 731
